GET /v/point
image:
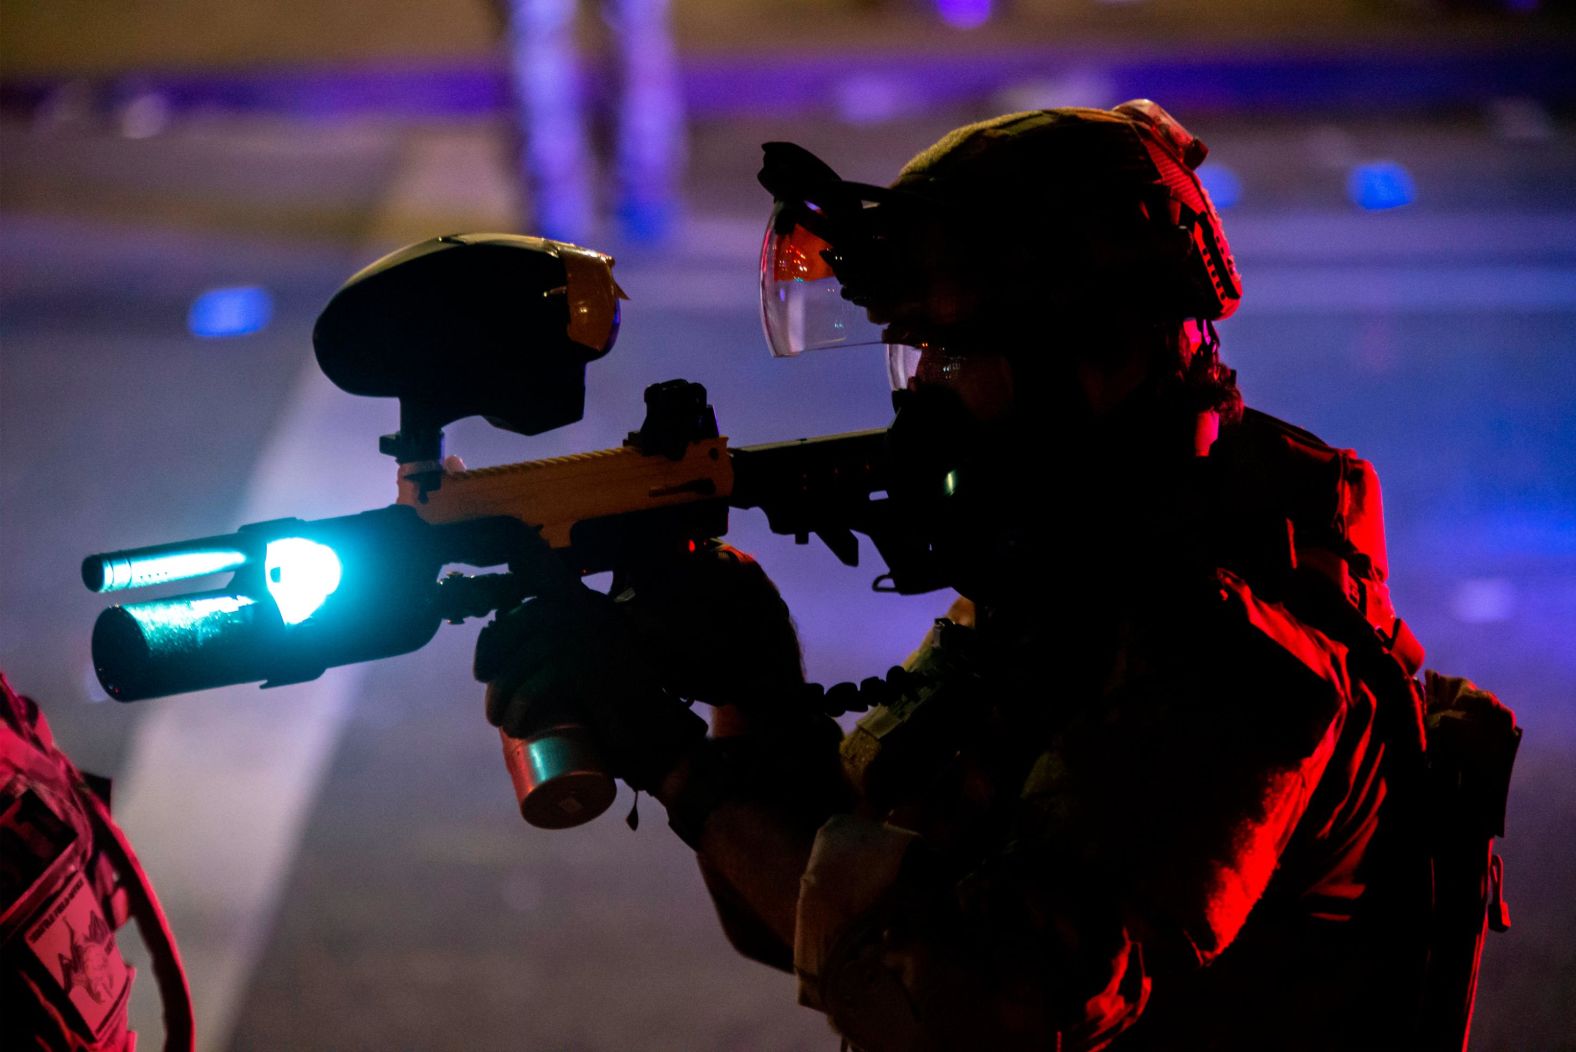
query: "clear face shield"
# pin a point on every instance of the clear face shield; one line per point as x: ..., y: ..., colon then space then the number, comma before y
x: 803, y: 305
x: 802, y: 302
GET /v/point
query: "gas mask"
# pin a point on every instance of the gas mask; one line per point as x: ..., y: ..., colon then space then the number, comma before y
x: 835, y: 259
x: 963, y: 482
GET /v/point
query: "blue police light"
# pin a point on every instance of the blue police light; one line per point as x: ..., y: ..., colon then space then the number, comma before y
x: 301, y: 575
x: 1222, y: 185
x: 233, y: 311
x: 1380, y: 185
x: 964, y: 14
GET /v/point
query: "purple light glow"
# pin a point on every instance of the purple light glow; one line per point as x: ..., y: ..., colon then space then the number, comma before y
x: 1380, y: 186
x: 964, y: 14
x: 235, y: 311
x: 1223, y: 184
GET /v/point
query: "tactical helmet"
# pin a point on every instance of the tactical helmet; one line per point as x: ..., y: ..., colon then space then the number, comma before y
x: 1062, y: 209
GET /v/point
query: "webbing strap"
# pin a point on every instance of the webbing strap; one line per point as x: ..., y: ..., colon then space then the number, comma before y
x: 180, y: 1029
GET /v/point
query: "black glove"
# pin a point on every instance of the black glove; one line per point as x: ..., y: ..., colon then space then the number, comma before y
x: 706, y: 626
x: 574, y: 656
x: 717, y: 629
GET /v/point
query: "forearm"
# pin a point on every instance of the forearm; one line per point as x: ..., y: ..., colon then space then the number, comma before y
x: 832, y: 916
x: 903, y: 951
x: 758, y: 847
x: 762, y: 859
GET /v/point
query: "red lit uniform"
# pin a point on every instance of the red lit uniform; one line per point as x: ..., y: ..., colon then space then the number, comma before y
x: 68, y: 880
x: 1172, y: 815
x: 1170, y: 781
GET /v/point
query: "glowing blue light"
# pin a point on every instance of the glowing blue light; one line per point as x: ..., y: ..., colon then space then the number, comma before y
x: 1222, y: 185
x: 964, y: 14
x: 233, y: 311
x: 124, y: 573
x: 301, y: 574
x: 1380, y: 185
x: 183, y: 614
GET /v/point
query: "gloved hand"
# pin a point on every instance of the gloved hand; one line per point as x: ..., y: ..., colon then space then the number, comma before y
x: 710, y: 626
x: 717, y: 630
x: 573, y: 656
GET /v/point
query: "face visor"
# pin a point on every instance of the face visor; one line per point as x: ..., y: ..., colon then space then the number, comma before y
x: 824, y: 235
x: 803, y: 307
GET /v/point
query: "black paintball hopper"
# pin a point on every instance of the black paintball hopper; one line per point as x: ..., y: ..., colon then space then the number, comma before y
x: 457, y: 326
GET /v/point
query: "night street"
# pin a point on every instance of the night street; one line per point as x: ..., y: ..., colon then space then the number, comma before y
x: 342, y: 860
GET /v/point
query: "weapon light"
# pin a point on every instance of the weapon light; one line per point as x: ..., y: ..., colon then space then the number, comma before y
x: 305, y: 596
x: 140, y: 567
x: 182, y: 614
x: 301, y: 575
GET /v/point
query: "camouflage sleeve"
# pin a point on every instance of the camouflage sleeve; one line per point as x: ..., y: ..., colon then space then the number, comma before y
x: 1145, y: 833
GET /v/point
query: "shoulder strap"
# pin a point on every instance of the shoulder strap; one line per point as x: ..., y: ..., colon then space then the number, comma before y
x: 1330, y: 503
x: 21, y: 715
x: 154, y: 926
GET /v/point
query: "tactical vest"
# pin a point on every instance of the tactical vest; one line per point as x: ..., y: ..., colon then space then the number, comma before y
x: 1302, y: 523
x: 1331, y: 504
x: 68, y: 881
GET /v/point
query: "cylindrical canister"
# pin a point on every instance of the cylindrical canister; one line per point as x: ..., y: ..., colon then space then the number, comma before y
x: 559, y: 777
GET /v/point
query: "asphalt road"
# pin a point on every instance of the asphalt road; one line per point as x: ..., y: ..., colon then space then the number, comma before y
x: 343, y: 859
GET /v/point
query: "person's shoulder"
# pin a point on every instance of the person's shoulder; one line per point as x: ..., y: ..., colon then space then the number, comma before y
x: 1257, y: 435
x: 1330, y: 495
x: 1272, y: 458
x: 1288, y: 454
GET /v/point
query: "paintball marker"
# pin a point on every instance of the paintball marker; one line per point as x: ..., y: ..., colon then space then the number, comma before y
x: 501, y: 326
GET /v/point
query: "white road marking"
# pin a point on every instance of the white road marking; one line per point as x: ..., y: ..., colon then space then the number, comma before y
x: 219, y: 785
x: 1296, y: 263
